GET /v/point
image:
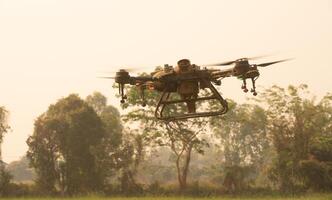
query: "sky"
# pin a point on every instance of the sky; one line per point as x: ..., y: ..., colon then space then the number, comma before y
x: 52, y: 48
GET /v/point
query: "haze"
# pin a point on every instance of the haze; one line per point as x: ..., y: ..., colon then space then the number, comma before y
x: 49, y: 49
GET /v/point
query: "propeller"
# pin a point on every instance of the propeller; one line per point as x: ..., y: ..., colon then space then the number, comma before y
x: 271, y: 63
x: 107, y: 77
x: 139, y: 78
x: 221, y: 64
x: 129, y: 69
x: 234, y: 61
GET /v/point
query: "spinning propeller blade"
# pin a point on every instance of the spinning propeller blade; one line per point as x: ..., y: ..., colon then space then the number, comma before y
x: 234, y: 61
x: 221, y: 64
x: 271, y: 63
x: 108, y: 77
x: 131, y: 69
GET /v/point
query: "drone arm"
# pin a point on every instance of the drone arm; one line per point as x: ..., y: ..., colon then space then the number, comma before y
x: 222, y: 73
x: 139, y: 80
x: 142, y: 78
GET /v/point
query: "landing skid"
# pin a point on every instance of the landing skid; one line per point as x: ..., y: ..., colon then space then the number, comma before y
x: 165, y: 100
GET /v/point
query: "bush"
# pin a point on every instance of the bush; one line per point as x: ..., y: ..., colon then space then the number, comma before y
x: 21, y: 190
x: 316, y: 175
x: 5, y: 178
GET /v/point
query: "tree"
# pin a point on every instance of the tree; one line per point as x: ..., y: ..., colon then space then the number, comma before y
x: 21, y: 171
x: 4, y: 127
x: 295, y: 120
x: 65, y: 145
x: 109, y: 115
x: 181, y: 136
x: 5, y: 177
x: 98, y: 101
x: 128, y: 160
x: 112, y: 125
x: 243, y: 141
x: 316, y: 171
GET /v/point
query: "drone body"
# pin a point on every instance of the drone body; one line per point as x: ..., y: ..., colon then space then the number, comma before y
x: 186, y: 80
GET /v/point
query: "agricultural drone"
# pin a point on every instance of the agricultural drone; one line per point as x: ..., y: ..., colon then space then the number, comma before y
x: 186, y: 80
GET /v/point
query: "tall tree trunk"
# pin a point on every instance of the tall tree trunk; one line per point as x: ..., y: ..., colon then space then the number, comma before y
x: 183, y: 170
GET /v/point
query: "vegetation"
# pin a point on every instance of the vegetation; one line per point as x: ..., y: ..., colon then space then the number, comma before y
x: 65, y: 148
x: 21, y: 171
x: 5, y: 177
x: 279, y: 143
x: 182, y: 137
x: 311, y: 197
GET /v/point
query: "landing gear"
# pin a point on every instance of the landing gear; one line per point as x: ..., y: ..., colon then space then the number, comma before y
x: 122, y: 94
x: 253, y: 89
x: 244, y: 86
x: 142, y: 88
x: 166, y: 101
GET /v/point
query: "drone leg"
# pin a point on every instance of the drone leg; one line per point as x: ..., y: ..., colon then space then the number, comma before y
x: 121, y: 92
x: 143, y: 95
x: 253, y: 90
x: 244, y: 86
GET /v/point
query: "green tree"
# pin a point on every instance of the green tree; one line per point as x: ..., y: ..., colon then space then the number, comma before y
x: 243, y: 142
x: 64, y: 147
x: 20, y: 170
x: 181, y: 136
x: 295, y: 119
x: 108, y: 153
x: 128, y: 160
x: 316, y: 171
x: 5, y: 177
x: 4, y: 127
x: 98, y: 101
x: 109, y: 115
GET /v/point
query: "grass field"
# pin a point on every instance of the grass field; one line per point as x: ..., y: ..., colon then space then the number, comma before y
x: 304, y: 197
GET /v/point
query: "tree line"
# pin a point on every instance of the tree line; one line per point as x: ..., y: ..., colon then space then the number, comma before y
x: 280, y: 141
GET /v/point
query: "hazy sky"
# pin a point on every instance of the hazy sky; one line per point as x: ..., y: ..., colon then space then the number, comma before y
x: 51, y: 48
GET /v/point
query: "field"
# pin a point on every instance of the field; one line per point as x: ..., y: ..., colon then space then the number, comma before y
x: 304, y: 197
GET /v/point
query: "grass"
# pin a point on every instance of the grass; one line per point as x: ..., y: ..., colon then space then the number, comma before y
x: 304, y: 197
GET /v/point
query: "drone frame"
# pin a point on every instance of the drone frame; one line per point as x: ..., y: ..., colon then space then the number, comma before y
x: 164, y: 101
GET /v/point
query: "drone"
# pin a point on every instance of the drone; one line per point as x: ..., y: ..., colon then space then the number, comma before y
x: 186, y: 80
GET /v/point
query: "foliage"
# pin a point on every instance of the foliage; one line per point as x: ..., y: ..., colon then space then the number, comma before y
x: 129, y: 157
x: 317, y: 170
x: 125, y: 148
x: 243, y: 141
x: 64, y: 147
x: 110, y: 144
x: 181, y: 136
x: 295, y: 120
x: 322, y: 196
x: 280, y: 141
x: 98, y: 102
x: 5, y: 177
x: 21, y: 171
x: 4, y: 127
x: 321, y: 148
x: 317, y: 175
